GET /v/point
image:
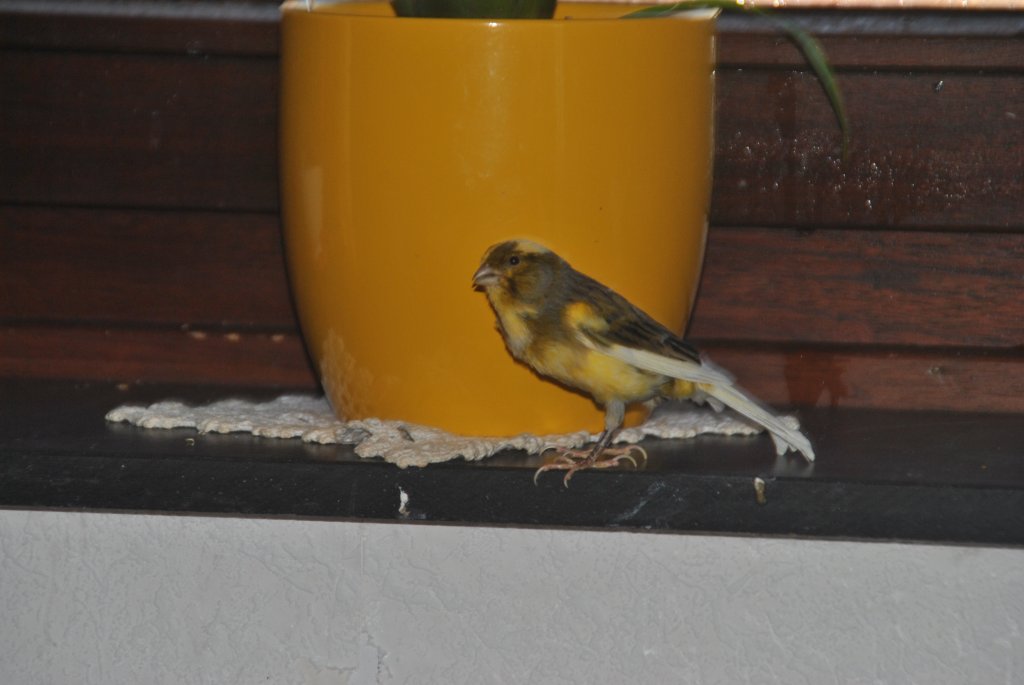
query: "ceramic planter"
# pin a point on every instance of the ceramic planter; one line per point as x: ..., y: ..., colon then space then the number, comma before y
x: 408, y: 146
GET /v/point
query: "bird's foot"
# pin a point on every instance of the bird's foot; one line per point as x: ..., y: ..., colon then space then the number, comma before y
x: 571, y: 461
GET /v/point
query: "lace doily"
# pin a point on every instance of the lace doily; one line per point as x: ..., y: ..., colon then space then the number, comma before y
x: 405, y: 444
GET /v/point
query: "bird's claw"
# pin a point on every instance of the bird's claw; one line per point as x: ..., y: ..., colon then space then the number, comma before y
x: 572, y: 461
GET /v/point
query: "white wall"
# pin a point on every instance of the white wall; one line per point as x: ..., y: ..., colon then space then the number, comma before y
x: 111, y: 598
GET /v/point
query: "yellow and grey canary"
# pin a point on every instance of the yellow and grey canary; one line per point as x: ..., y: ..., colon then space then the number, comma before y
x: 567, y: 326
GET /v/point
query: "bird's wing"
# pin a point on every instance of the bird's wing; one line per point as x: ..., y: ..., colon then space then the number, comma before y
x: 720, y: 388
x: 609, y: 324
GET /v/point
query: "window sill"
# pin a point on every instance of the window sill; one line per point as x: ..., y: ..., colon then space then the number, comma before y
x: 912, y: 476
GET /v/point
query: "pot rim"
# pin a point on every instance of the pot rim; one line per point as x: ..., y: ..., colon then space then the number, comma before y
x: 343, y: 8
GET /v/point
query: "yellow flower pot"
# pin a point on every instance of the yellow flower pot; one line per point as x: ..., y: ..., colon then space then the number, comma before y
x: 408, y: 146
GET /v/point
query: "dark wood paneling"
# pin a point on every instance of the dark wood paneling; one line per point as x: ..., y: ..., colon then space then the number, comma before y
x: 950, y: 380
x: 140, y: 240
x: 941, y: 148
x: 888, y: 53
x: 857, y: 39
x: 879, y: 39
x: 223, y: 28
x: 938, y: 149
x: 837, y: 286
x: 173, y: 356
x: 138, y: 130
x: 142, y: 267
x: 781, y: 375
x: 867, y: 287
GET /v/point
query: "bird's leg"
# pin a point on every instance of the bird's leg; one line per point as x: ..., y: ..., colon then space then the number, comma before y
x: 571, y: 461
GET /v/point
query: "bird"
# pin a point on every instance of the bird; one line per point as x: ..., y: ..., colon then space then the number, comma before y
x: 568, y: 327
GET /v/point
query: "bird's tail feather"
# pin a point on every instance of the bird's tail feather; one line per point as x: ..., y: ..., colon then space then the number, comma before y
x: 784, y: 436
x: 717, y: 387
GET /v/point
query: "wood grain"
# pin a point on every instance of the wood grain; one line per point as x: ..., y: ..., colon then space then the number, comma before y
x: 882, y: 52
x: 929, y: 150
x: 139, y: 237
x: 883, y: 40
x: 132, y: 130
x: 155, y: 355
x: 852, y: 38
x: 132, y: 267
x: 781, y: 375
x: 898, y: 379
x: 865, y: 287
x: 193, y: 28
x: 201, y: 269
x: 941, y: 148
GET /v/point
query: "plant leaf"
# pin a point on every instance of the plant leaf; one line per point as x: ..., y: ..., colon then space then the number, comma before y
x: 808, y: 45
x: 686, y: 5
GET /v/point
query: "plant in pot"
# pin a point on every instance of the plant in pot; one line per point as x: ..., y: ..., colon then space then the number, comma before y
x: 409, y: 144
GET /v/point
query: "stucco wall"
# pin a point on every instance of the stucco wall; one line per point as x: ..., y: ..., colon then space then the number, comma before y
x: 111, y: 598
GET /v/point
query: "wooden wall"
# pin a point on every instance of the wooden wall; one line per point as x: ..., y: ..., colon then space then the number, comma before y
x: 139, y: 236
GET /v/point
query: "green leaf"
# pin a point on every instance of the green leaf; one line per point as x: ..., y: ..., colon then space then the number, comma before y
x: 808, y: 45
x: 687, y: 5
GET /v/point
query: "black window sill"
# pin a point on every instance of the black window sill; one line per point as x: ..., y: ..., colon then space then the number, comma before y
x: 914, y: 476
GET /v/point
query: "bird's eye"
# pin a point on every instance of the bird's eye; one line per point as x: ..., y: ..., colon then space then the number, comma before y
x: 513, y: 260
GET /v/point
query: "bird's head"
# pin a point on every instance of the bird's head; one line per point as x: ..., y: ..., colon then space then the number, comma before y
x: 521, y: 269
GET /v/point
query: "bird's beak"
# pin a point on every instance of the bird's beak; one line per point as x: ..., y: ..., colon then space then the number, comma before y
x: 485, y: 276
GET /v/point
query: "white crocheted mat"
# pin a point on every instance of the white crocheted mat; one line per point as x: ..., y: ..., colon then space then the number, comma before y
x: 405, y: 444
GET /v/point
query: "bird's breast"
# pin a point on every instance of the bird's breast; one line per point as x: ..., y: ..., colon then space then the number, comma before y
x: 513, y: 318
x: 601, y: 376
